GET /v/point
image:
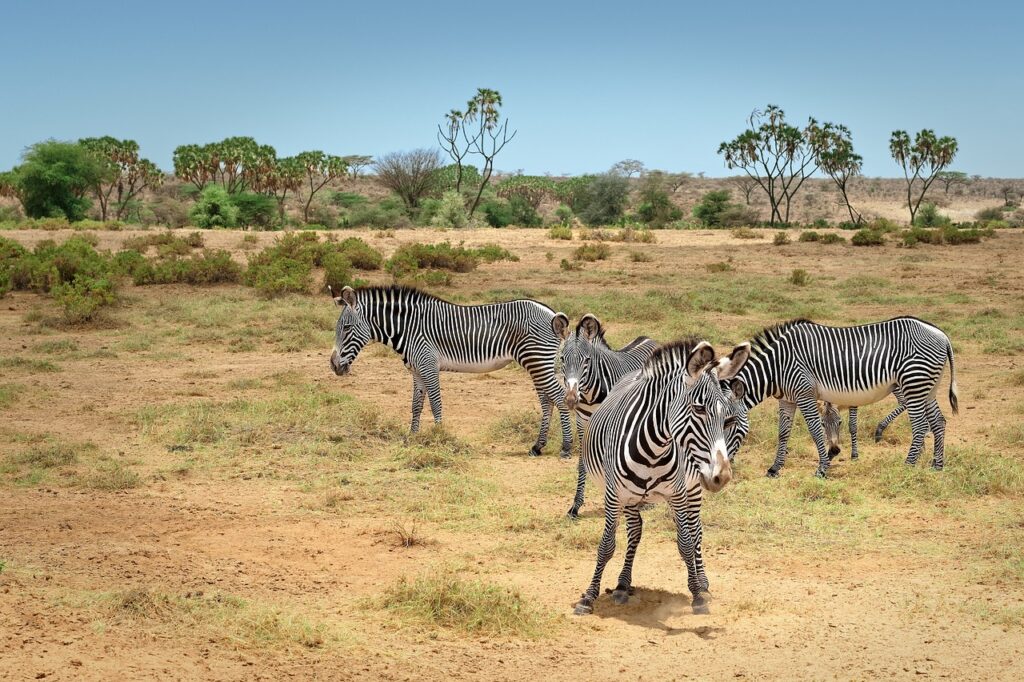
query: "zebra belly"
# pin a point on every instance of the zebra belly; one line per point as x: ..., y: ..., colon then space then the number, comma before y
x: 662, y: 492
x: 478, y: 367
x: 855, y: 398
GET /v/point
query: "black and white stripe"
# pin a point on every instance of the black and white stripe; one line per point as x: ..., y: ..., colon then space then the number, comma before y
x: 433, y: 336
x: 660, y: 435
x: 589, y: 369
x: 800, y: 362
x: 832, y: 422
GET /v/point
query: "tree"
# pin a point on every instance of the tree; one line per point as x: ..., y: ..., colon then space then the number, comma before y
x: 833, y: 148
x: 286, y: 175
x: 921, y: 162
x: 9, y: 187
x: 320, y: 169
x: 951, y: 179
x: 656, y: 208
x: 477, y: 130
x: 236, y: 163
x: 124, y: 172
x: 54, y: 178
x: 745, y: 184
x: 779, y: 157
x: 603, y: 200
x: 356, y: 163
x: 627, y: 168
x: 532, y: 189
x: 410, y: 175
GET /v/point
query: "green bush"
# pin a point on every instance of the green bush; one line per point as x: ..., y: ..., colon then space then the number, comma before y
x: 991, y: 213
x: 603, y: 200
x: 832, y: 238
x: 868, y: 237
x: 348, y: 199
x: 656, y: 207
x: 451, y: 212
x: 715, y: 210
x: 273, y: 277
x: 929, y: 216
x: 361, y: 255
x: 214, y: 209
x: 84, y: 298
x: 409, y: 258
x: 209, y: 267
x: 809, y: 236
x: 799, y: 278
x: 254, y: 210
x: 564, y: 215
x: 570, y: 266
x: 560, y: 232
x: 337, y: 271
x: 491, y: 253
x: 515, y: 211
x: 745, y: 233
x: 389, y: 212
x: 54, y: 178
x: 781, y: 238
x: 592, y: 252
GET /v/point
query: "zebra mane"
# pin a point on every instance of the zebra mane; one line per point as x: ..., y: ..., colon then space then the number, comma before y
x: 769, y: 336
x: 670, y: 357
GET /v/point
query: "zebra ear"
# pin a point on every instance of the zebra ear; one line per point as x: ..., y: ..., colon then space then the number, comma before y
x: 729, y: 366
x: 699, y: 357
x: 348, y: 296
x: 590, y: 326
x: 738, y: 389
x: 560, y: 325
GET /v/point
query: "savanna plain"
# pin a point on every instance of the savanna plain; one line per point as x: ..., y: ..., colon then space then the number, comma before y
x: 187, y: 491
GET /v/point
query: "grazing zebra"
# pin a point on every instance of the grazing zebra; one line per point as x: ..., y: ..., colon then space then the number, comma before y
x: 660, y: 436
x: 831, y: 421
x: 800, y: 362
x: 433, y: 335
x: 589, y: 369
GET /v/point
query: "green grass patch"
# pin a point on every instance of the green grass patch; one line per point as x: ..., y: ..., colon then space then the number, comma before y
x: 31, y: 365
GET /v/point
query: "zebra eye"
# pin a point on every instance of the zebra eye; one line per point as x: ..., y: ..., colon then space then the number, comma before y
x: 731, y: 421
x: 700, y: 410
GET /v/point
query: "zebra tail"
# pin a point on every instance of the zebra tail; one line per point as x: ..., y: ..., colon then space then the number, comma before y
x: 953, y: 402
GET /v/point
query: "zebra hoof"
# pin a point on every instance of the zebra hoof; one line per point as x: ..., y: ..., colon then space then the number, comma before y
x: 936, y: 466
x: 700, y: 605
x: 833, y: 452
x: 821, y: 473
x: 566, y: 454
x: 584, y: 607
x: 573, y: 514
x: 621, y: 596
x: 854, y: 455
x: 535, y: 451
x: 878, y: 434
x: 772, y: 473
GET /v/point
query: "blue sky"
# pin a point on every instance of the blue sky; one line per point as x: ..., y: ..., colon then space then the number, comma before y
x: 585, y: 83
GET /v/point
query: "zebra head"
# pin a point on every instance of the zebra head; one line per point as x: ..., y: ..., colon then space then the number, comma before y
x: 831, y: 421
x: 351, y: 334
x: 699, y: 418
x: 737, y: 423
x: 576, y: 361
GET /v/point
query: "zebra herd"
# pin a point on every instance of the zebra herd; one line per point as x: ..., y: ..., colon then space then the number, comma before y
x: 659, y: 422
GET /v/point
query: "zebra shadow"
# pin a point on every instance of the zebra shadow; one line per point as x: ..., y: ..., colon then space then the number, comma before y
x: 653, y: 608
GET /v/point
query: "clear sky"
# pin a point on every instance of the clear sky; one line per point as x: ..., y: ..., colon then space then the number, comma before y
x: 585, y: 83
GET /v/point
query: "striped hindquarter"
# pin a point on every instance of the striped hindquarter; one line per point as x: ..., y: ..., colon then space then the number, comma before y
x: 433, y: 335
x: 660, y: 435
x: 800, y: 363
x: 589, y: 369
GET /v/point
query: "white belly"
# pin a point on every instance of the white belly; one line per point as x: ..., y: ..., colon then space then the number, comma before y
x: 473, y: 367
x: 855, y: 398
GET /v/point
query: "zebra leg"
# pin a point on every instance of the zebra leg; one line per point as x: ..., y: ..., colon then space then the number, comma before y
x: 563, y: 418
x: 545, y: 421
x: 917, y: 410
x: 938, y: 427
x: 604, y: 553
x: 686, y: 512
x: 786, y: 412
x: 634, y: 529
x: 581, y: 486
x: 809, y: 409
x: 418, y: 394
x: 430, y: 379
x: 853, y: 433
x: 891, y: 417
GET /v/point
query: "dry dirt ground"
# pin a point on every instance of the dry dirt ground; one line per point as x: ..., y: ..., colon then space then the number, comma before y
x: 251, y: 548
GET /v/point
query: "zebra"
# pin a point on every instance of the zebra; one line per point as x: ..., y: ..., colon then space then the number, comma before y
x: 660, y: 436
x: 831, y: 421
x: 433, y: 335
x: 800, y: 362
x: 589, y: 370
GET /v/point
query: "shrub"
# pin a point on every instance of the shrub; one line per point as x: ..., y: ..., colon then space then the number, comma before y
x: 516, y: 211
x: 348, y: 199
x: 640, y: 257
x: 83, y: 299
x: 337, y: 271
x: 491, y: 253
x: 209, y: 267
x: 168, y: 211
x: 715, y: 210
x: 799, y: 278
x: 564, y: 215
x: 929, y: 216
x: 361, y: 255
x: 745, y: 233
x: 389, y: 212
x: 629, y: 234
x: 781, y: 238
x: 809, y: 236
x: 410, y: 258
x: 721, y: 266
x: 868, y: 237
x: 277, y: 276
x: 254, y: 210
x: 451, y: 212
x: 832, y: 238
x: 592, y: 252
x: 656, y: 208
x: 602, y: 201
x: 990, y: 213
x: 560, y: 232
x: 54, y: 178
x: 214, y: 209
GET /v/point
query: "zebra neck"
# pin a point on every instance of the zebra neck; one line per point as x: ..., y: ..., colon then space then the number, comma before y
x: 389, y: 318
x: 759, y: 376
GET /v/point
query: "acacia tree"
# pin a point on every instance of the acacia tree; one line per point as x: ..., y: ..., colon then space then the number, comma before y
x: 628, y: 168
x: 950, y: 179
x: 745, y: 184
x: 477, y: 130
x: 779, y: 157
x: 921, y: 162
x: 356, y: 163
x: 124, y: 172
x: 319, y: 169
x: 410, y: 175
x: 833, y: 147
